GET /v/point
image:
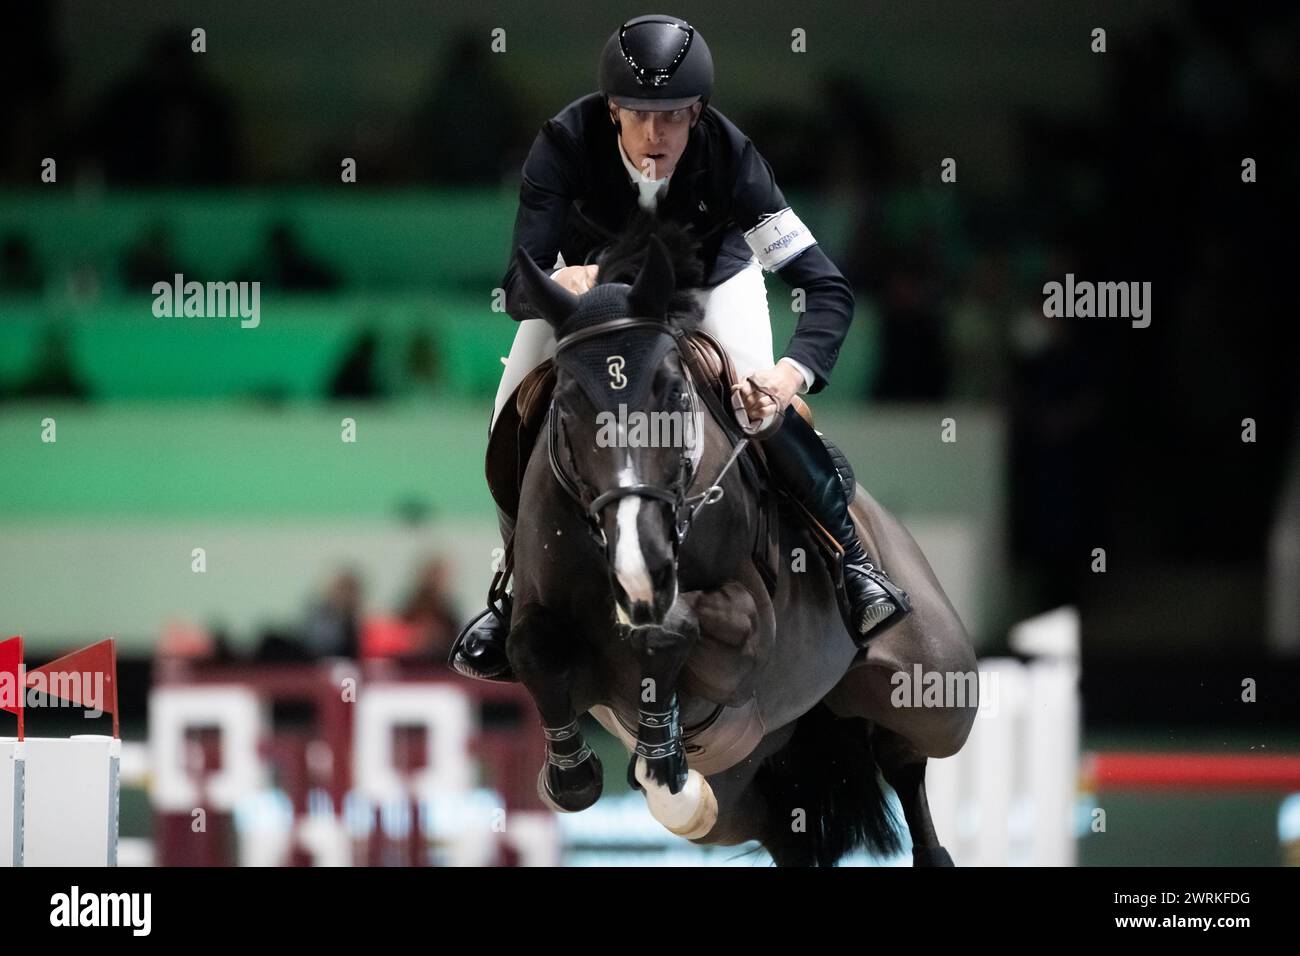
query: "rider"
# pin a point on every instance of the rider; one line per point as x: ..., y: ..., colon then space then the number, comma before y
x: 650, y: 139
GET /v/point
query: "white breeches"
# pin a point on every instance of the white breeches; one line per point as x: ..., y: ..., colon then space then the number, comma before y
x: 735, y: 312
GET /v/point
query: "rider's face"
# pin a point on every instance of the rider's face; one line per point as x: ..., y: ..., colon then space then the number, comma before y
x: 655, y: 139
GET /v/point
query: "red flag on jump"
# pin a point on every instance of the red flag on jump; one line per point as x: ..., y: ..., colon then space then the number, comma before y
x: 87, y: 677
x: 11, y: 679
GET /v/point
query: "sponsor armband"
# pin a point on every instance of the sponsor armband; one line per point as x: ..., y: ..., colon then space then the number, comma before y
x: 778, y: 238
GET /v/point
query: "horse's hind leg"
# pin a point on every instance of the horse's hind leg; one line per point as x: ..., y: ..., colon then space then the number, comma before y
x: 544, y: 657
x: 903, y: 767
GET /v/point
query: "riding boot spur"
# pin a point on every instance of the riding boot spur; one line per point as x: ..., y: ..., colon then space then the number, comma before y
x: 805, y: 468
x: 480, y: 648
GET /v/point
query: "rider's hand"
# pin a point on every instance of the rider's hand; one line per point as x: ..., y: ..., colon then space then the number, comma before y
x: 782, y: 381
x: 577, y: 279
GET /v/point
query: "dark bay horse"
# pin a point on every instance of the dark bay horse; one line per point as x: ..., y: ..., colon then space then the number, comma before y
x: 747, y: 709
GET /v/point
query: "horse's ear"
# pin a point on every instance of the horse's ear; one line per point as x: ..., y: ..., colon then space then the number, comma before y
x: 554, y: 302
x: 655, y: 282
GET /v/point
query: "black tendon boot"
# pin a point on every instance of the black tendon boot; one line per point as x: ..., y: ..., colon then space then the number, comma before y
x: 480, y: 648
x: 870, y: 601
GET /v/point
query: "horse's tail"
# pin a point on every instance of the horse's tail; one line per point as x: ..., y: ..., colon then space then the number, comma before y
x: 828, y: 771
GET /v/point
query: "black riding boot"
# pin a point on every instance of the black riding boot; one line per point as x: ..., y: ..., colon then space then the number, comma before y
x: 480, y: 648
x: 804, y: 467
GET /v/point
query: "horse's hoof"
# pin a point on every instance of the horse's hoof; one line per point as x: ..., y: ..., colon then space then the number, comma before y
x: 667, y: 771
x: 931, y: 856
x: 690, y: 813
x: 575, y: 789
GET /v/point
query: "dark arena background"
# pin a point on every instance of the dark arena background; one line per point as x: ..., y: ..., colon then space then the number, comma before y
x: 279, y: 518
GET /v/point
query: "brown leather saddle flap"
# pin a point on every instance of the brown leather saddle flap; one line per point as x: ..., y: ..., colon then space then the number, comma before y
x: 511, y: 442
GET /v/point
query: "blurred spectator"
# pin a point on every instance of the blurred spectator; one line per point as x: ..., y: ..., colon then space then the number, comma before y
x: 182, y: 640
x: 54, y: 374
x: 426, y: 626
x: 334, y: 622
x: 18, y: 270
x: 420, y: 372
x: 287, y: 266
x: 166, y: 123
x: 468, y: 93
x: 384, y: 637
x: 430, y: 610
x: 358, y: 376
x: 151, y: 259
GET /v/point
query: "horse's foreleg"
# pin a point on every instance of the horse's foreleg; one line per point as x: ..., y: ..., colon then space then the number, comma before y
x: 543, y: 656
x: 679, y: 798
x: 663, y: 651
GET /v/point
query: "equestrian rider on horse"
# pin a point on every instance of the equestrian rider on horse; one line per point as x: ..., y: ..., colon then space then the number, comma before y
x: 650, y: 139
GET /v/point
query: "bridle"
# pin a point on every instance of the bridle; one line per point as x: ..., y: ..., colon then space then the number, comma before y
x: 685, y: 507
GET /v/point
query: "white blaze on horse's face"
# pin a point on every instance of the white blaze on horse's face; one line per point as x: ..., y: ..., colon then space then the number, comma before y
x: 629, y: 563
x: 630, y: 566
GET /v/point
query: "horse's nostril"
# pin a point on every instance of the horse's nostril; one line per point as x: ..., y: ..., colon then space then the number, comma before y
x: 642, y: 613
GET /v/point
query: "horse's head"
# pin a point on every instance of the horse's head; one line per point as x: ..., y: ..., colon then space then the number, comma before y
x: 625, y: 426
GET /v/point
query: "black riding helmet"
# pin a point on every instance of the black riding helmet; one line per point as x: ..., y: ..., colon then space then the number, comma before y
x: 656, y: 62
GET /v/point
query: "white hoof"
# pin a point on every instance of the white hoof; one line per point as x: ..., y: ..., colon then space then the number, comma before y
x: 690, y: 813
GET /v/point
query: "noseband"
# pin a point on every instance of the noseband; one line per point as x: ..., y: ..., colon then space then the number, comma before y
x: 685, y: 507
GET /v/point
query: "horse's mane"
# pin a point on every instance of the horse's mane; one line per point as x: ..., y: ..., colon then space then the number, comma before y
x: 622, y: 258
x: 640, y: 349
